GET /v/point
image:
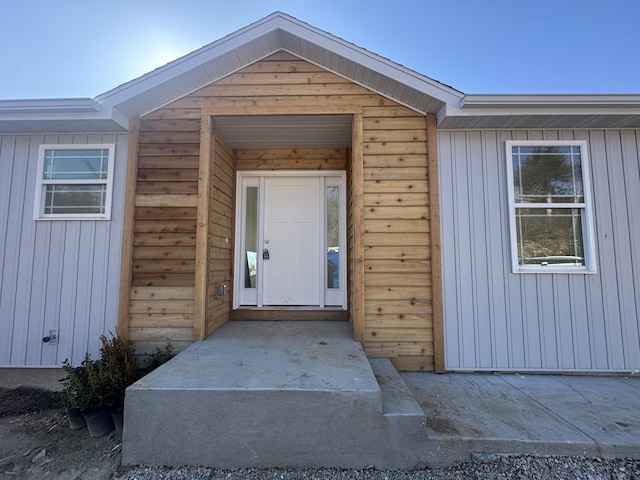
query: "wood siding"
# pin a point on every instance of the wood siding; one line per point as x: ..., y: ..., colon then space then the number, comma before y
x: 221, y: 208
x: 498, y: 320
x: 397, y: 269
x: 388, y: 214
x: 54, y: 274
x: 292, y: 159
x: 161, y: 304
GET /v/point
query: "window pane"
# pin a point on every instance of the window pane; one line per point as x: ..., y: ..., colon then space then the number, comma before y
x: 68, y: 199
x: 549, y: 174
x: 251, y: 236
x: 76, y: 164
x: 549, y: 236
x: 333, y: 236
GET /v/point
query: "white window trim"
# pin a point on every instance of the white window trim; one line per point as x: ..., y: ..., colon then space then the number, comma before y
x: 38, y: 205
x: 588, y: 235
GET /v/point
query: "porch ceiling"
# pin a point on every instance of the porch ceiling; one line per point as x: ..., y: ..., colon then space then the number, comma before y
x: 250, y: 132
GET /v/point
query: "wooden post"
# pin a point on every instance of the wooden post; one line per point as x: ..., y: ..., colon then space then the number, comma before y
x: 436, y: 253
x: 126, y: 260
x: 357, y: 185
x: 202, y: 228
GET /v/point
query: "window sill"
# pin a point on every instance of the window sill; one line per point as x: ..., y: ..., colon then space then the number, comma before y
x: 69, y: 218
x: 559, y: 270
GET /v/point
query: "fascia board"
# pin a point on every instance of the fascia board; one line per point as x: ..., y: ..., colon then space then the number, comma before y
x: 59, y: 110
x: 49, y: 107
x: 450, y: 112
x: 550, y: 102
x: 516, y: 111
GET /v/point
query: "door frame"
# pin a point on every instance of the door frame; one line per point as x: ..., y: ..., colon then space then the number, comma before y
x: 254, y: 178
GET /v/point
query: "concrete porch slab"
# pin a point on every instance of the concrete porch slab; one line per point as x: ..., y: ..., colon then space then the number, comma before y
x: 283, y: 355
x: 595, y: 416
x: 303, y: 394
x: 272, y: 394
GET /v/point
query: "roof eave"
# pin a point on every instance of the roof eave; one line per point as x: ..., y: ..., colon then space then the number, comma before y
x: 51, y: 106
x: 542, y: 111
x: 58, y: 115
x: 550, y: 101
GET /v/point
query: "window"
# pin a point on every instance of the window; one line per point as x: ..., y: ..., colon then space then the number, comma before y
x: 550, y: 208
x: 332, y: 214
x: 74, y: 182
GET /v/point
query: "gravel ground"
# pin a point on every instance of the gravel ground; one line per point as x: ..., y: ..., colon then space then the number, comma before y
x: 488, y: 467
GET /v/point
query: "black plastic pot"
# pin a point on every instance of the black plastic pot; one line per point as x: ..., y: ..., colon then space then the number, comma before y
x: 118, y: 419
x: 99, y: 422
x: 76, y: 419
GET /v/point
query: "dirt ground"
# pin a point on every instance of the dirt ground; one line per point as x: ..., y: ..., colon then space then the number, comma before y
x: 36, y: 441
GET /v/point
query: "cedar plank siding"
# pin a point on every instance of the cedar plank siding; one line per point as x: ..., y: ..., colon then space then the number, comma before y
x: 161, y: 304
x: 397, y: 278
x: 390, y: 246
x: 221, y: 208
x: 292, y: 159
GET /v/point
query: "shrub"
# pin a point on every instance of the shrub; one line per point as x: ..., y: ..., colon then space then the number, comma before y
x: 120, y: 367
x: 160, y: 356
x: 85, y: 387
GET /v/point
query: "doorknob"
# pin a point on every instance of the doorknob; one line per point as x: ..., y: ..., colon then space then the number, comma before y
x: 265, y: 254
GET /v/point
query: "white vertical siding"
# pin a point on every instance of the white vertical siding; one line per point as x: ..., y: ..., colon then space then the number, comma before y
x: 498, y: 320
x: 54, y: 274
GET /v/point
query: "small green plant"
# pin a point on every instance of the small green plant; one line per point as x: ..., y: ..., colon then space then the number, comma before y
x: 85, y: 386
x: 74, y: 385
x: 160, y: 356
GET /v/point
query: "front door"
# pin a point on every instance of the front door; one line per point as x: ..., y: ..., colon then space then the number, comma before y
x: 291, y: 245
x: 290, y: 239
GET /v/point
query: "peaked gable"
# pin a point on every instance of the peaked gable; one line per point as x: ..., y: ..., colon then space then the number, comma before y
x: 275, y: 33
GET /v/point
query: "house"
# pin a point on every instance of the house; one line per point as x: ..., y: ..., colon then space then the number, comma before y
x: 283, y: 173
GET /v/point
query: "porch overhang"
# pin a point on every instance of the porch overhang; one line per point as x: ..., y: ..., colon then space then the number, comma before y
x: 285, y: 131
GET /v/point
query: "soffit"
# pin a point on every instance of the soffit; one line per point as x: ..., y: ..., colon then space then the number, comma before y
x: 248, y: 132
x: 543, y: 111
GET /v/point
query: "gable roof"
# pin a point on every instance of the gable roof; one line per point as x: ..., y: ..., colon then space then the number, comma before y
x: 280, y: 32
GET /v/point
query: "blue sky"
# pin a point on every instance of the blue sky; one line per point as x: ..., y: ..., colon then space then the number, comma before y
x: 82, y: 48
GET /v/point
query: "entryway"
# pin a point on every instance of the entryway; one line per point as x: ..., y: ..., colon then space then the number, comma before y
x: 290, y: 240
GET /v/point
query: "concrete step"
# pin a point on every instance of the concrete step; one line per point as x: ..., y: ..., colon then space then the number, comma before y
x: 397, y: 399
x: 272, y: 394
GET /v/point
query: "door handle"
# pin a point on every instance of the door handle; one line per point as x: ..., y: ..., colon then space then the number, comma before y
x: 265, y: 254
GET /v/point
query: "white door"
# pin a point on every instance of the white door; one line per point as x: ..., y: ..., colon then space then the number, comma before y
x: 293, y: 241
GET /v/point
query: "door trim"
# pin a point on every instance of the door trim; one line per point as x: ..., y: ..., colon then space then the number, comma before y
x: 244, y: 298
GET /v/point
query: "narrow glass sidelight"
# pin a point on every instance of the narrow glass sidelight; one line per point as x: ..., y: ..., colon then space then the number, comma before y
x: 251, y: 237
x: 332, y: 209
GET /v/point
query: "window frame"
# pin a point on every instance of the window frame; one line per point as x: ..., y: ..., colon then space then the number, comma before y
x: 586, y: 208
x: 41, y: 183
